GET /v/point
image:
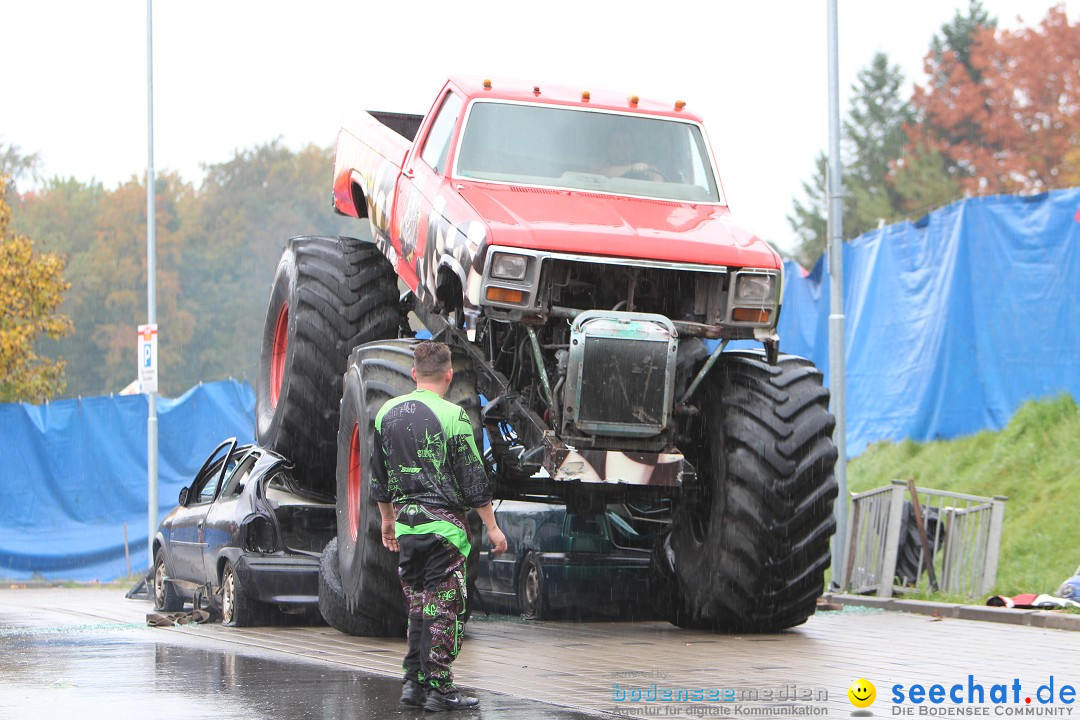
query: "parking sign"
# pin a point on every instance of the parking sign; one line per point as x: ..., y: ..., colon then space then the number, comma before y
x: 148, y: 374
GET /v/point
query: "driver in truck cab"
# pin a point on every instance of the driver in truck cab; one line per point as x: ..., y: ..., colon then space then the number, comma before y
x: 427, y: 475
x: 619, y: 159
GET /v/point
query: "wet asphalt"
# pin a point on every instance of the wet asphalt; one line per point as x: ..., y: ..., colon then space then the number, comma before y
x: 57, y: 667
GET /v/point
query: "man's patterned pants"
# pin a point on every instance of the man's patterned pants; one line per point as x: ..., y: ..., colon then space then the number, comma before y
x: 432, y: 573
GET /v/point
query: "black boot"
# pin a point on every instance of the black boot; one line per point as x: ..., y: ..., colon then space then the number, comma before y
x: 413, y: 693
x: 439, y: 702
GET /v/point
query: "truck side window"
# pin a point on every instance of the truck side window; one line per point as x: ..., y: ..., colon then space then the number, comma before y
x: 437, y: 143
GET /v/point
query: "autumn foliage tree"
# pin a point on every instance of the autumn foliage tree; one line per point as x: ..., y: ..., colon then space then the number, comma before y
x: 248, y: 207
x: 1006, y: 118
x: 217, y: 249
x: 31, y: 290
x: 998, y: 112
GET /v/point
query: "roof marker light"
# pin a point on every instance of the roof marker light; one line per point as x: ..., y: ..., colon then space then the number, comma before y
x: 680, y: 104
x: 633, y: 100
x: 536, y: 89
x: 487, y: 84
x: 585, y: 96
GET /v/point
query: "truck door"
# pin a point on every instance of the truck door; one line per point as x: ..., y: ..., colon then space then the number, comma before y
x: 426, y: 167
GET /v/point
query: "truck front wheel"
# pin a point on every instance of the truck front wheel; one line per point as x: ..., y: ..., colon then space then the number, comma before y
x: 749, y: 540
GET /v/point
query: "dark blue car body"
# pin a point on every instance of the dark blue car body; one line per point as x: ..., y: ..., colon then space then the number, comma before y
x: 557, y: 560
x: 244, y: 510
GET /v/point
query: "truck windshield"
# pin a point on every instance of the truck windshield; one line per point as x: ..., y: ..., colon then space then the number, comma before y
x: 586, y: 150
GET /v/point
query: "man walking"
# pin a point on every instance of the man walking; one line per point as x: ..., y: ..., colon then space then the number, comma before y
x: 427, y: 473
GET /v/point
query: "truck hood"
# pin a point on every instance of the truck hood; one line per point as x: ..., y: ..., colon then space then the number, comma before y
x: 579, y: 222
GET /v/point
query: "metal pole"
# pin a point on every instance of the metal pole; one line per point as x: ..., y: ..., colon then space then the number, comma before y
x: 151, y: 302
x: 836, y: 300
x: 993, y: 545
x: 887, y: 573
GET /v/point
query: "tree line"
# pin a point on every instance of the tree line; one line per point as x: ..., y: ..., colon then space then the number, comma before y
x: 218, y: 244
x: 997, y: 112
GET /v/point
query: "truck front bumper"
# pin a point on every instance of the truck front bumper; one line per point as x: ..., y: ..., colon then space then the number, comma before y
x: 618, y: 467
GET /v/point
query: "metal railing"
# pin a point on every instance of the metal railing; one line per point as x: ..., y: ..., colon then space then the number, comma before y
x: 945, y: 541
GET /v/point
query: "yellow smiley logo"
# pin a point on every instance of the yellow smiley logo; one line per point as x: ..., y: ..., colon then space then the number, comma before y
x: 862, y: 693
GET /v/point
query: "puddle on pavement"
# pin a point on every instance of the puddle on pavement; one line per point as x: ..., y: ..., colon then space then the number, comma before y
x: 109, y: 671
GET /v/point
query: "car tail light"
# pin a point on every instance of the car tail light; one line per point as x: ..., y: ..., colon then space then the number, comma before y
x: 259, y: 535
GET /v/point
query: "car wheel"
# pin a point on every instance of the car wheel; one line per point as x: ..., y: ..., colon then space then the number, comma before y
x: 166, y: 597
x: 531, y: 593
x: 237, y: 609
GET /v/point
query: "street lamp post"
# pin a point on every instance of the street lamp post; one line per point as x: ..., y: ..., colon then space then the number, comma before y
x: 151, y: 301
x: 835, y: 185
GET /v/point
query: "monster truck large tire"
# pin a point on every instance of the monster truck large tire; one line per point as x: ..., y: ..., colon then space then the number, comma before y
x: 749, y: 540
x: 377, y: 371
x: 333, y: 606
x: 329, y: 295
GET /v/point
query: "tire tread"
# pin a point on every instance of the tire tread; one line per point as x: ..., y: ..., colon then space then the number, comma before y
x: 761, y: 567
x: 345, y: 294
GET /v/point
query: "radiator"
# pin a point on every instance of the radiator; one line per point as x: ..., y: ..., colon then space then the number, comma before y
x: 621, y: 373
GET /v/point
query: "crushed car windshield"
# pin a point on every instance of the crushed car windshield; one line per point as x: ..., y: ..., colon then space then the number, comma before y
x: 586, y: 150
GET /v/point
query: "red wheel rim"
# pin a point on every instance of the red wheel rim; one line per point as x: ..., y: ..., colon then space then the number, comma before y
x: 277, y: 354
x: 355, y: 480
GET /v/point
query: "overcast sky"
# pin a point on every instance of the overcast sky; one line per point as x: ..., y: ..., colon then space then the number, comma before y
x: 229, y: 74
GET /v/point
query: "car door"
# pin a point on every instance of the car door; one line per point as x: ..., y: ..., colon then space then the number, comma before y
x: 231, y: 505
x: 186, y: 561
x: 486, y: 558
x: 518, y: 528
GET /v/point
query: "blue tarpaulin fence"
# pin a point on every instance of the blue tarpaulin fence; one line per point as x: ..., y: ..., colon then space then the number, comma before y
x: 73, y: 473
x: 953, y: 321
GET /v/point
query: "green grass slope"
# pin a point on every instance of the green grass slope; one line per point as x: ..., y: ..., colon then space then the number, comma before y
x: 1034, y: 461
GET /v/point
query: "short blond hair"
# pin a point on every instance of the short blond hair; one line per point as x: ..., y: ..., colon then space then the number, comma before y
x: 431, y: 359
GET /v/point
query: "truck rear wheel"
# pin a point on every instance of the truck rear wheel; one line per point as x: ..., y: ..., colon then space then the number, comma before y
x: 329, y: 295
x: 368, y: 576
x: 333, y: 606
x: 749, y: 541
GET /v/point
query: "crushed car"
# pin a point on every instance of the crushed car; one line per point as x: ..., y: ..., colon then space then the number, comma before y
x: 245, y: 537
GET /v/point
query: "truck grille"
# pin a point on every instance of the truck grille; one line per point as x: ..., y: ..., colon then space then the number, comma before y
x: 622, y: 368
x: 688, y: 294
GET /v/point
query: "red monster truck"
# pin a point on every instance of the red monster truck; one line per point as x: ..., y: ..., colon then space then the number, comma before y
x: 577, y: 252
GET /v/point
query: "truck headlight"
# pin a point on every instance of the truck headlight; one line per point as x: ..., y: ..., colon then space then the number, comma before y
x: 754, y: 289
x: 509, y: 267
